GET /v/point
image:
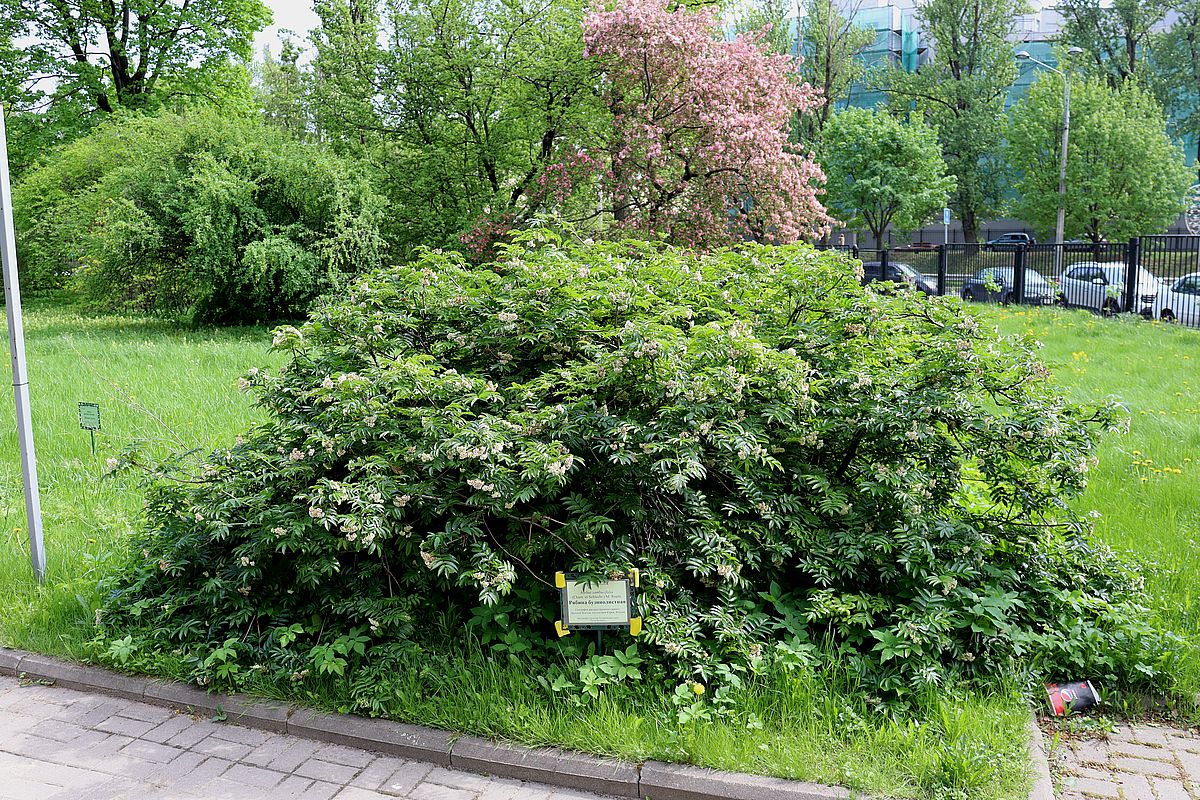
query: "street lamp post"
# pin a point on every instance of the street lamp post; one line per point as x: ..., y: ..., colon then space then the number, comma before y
x: 1062, y: 159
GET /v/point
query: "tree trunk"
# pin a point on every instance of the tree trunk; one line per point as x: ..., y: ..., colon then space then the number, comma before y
x: 970, y: 226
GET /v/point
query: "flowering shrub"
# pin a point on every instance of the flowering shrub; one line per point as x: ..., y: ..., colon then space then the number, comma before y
x: 698, y: 146
x: 800, y: 467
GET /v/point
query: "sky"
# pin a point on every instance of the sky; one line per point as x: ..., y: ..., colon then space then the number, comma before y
x: 294, y: 15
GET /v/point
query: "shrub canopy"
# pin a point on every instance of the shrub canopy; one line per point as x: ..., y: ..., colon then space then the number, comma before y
x: 221, y: 219
x: 789, y: 458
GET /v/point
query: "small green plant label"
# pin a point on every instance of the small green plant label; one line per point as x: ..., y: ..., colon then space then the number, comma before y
x: 89, y: 416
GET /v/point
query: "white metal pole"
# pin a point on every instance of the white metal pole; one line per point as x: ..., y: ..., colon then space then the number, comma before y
x: 16, y: 346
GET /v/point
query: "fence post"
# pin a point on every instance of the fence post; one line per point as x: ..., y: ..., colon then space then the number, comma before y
x: 1133, y: 265
x: 854, y: 251
x: 943, y: 261
x: 1018, y: 288
x: 883, y: 264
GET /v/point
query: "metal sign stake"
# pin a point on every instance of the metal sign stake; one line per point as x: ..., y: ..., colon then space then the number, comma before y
x: 16, y: 346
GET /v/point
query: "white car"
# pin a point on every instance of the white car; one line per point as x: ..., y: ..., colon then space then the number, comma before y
x: 1100, y: 286
x: 1179, y: 302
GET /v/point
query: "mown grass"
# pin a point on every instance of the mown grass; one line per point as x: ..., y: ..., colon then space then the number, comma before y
x: 170, y: 388
x: 1146, y: 487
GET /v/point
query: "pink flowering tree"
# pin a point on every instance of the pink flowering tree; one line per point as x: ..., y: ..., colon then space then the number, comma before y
x: 698, y: 146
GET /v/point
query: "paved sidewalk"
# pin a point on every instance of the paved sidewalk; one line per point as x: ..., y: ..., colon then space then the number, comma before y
x: 59, y: 744
x: 1138, y: 762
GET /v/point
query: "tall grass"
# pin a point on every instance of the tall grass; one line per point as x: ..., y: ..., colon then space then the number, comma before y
x: 1146, y: 488
x: 160, y: 386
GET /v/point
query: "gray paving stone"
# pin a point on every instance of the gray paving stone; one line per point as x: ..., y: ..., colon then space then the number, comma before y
x: 319, y: 790
x: 1144, y: 766
x: 1170, y: 789
x: 151, y: 751
x: 222, y: 748
x: 169, y: 729
x: 406, y: 778
x: 125, y: 726
x: 358, y: 793
x: 148, y: 713
x: 1141, y: 751
x: 317, y: 769
x: 433, y: 791
x: 64, y: 744
x: 236, y: 733
x: 297, y: 752
x: 1096, y: 788
x: 56, y: 730
x: 339, y: 754
x: 197, y: 731
x: 254, y: 776
x: 379, y: 770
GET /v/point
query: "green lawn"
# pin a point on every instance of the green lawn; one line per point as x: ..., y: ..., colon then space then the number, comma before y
x: 158, y: 386
x: 1146, y: 487
x: 171, y: 388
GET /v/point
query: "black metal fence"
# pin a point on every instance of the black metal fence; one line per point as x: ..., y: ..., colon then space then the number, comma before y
x: 1155, y: 276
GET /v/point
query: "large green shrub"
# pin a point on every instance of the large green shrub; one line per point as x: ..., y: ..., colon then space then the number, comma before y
x: 800, y: 467
x: 217, y: 218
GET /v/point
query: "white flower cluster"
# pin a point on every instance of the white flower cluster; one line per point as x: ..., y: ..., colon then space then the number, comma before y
x: 562, y: 466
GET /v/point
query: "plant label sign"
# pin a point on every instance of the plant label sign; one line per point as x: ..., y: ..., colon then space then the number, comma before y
x: 607, y: 605
x: 89, y: 416
x: 89, y: 420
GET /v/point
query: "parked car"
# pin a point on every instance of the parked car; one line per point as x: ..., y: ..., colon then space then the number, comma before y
x: 918, y: 246
x: 995, y: 285
x: 1179, y: 302
x: 1100, y: 286
x: 1084, y: 245
x: 1009, y: 241
x: 897, y: 272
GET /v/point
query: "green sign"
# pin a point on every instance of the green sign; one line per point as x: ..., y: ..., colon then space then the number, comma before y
x: 89, y: 416
x: 607, y: 605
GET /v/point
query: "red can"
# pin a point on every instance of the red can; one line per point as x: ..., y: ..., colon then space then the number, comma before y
x: 1068, y: 697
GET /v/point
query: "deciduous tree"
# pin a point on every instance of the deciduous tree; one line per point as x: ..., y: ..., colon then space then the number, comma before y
x: 1125, y: 176
x: 961, y: 93
x: 1177, y: 69
x: 831, y: 44
x: 698, y: 147
x: 124, y: 53
x: 460, y: 104
x: 883, y: 171
x: 1116, y: 34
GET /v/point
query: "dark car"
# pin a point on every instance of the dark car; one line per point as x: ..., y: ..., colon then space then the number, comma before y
x: 1009, y: 241
x: 919, y: 247
x: 995, y: 285
x: 899, y: 273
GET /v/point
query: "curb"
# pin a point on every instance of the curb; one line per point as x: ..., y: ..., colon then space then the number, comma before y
x: 1043, y: 785
x: 652, y: 780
